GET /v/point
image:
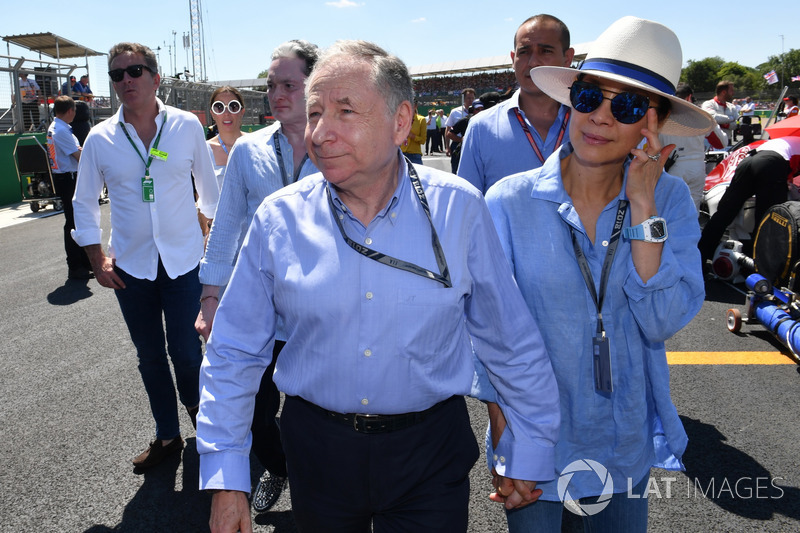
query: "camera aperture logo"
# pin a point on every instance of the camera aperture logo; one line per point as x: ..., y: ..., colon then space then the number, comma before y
x: 585, y: 509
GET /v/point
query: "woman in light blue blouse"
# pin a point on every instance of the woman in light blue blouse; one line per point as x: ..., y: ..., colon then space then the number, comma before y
x: 603, y: 245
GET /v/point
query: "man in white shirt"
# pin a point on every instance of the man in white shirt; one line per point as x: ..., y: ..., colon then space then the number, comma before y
x: 748, y: 108
x: 721, y: 108
x: 146, y: 154
x: 467, y: 97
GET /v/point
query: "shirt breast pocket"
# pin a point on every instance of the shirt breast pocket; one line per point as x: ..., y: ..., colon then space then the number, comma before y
x: 428, y: 322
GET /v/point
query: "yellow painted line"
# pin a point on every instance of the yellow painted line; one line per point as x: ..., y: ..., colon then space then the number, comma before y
x: 728, y: 358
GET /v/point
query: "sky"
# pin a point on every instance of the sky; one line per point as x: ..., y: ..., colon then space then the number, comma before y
x: 240, y: 35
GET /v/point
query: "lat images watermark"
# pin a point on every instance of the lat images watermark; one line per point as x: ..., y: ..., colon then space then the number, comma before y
x: 666, y: 487
x: 741, y: 488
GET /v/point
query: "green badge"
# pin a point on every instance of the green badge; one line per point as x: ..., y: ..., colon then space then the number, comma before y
x: 148, y: 192
x: 158, y: 154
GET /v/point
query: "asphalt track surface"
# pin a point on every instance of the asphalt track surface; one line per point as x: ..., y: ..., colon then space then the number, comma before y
x: 73, y: 413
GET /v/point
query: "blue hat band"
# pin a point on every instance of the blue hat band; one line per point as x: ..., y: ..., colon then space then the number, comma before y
x: 622, y: 68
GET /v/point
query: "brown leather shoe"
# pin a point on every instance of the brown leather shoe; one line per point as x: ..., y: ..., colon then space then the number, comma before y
x: 156, y: 452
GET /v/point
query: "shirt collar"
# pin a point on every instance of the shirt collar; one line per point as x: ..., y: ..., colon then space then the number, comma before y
x: 549, y: 186
x: 403, y: 185
x: 159, y: 118
x: 513, y: 103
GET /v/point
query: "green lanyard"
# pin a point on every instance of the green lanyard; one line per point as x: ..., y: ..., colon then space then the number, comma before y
x: 155, y: 145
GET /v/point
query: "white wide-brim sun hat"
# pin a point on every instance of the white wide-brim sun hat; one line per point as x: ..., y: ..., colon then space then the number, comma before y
x: 638, y: 53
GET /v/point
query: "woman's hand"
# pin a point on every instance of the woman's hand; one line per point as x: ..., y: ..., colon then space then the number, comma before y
x: 644, y: 170
x: 643, y: 175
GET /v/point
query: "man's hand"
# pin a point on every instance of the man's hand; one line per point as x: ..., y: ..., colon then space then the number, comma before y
x: 103, y: 267
x: 513, y: 493
x: 209, y: 301
x: 230, y: 512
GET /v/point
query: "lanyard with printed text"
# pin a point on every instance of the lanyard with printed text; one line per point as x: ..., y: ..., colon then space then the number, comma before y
x: 443, y: 277
x: 610, y: 251
x: 284, y: 174
x: 529, y: 135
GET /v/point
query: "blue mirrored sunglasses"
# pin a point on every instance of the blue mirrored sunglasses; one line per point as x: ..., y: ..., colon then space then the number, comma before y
x: 626, y: 107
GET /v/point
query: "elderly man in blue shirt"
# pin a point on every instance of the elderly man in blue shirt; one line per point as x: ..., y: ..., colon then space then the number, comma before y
x: 386, y: 276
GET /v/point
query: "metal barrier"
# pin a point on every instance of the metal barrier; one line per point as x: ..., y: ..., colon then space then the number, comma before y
x: 36, y: 116
x: 194, y: 97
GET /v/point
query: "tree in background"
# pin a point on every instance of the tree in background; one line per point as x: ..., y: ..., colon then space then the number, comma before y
x: 703, y: 75
x: 788, y: 66
x: 746, y: 80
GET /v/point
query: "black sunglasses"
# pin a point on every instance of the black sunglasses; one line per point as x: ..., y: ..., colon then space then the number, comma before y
x: 134, y: 71
x: 626, y: 107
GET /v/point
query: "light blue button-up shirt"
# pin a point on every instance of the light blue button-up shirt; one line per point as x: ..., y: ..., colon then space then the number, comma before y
x: 495, y: 146
x: 367, y: 338
x: 252, y: 174
x: 637, y: 426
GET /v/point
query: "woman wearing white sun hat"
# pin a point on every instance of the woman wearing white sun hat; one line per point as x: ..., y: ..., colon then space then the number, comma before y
x: 603, y: 244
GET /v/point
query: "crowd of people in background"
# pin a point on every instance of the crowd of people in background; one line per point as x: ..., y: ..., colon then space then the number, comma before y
x: 451, y: 85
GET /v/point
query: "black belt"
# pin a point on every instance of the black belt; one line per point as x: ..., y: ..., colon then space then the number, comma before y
x: 70, y: 174
x: 371, y: 424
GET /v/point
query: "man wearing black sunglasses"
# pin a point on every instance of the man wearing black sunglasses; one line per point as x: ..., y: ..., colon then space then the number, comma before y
x: 520, y: 133
x: 146, y: 154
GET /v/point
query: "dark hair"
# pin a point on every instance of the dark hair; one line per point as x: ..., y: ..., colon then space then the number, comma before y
x: 301, y: 49
x: 683, y: 90
x: 551, y: 19
x: 793, y: 99
x: 63, y: 104
x: 489, y: 99
x: 135, y: 48
x: 723, y: 86
x: 226, y: 89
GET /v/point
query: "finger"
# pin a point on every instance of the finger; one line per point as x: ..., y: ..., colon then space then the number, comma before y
x: 505, y: 486
x: 497, y: 498
x: 514, y: 500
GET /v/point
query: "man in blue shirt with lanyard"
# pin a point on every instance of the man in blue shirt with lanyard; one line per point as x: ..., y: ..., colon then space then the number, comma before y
x: 260, y: 164
x: 520, y: 133
x: 146, y: 154
x: 386, y: 276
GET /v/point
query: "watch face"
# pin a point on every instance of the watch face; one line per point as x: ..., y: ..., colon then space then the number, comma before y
x: 658, y: 229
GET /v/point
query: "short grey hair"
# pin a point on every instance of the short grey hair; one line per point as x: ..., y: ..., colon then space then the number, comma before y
x: 388, y: 72
x: 300, y: 49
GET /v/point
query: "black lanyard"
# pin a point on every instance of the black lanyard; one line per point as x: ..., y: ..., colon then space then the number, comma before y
x: 155, y: 145
x: 284, y: 176
x: 532, y: 141
x: 443, y: 278
x: 586, y: 271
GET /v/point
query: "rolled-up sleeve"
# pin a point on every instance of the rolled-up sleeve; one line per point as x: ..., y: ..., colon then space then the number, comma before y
x: 671, y: 298
x: 88, y: 188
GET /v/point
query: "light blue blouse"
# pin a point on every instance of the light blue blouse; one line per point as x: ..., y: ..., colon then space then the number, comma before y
x: 636, y: 426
